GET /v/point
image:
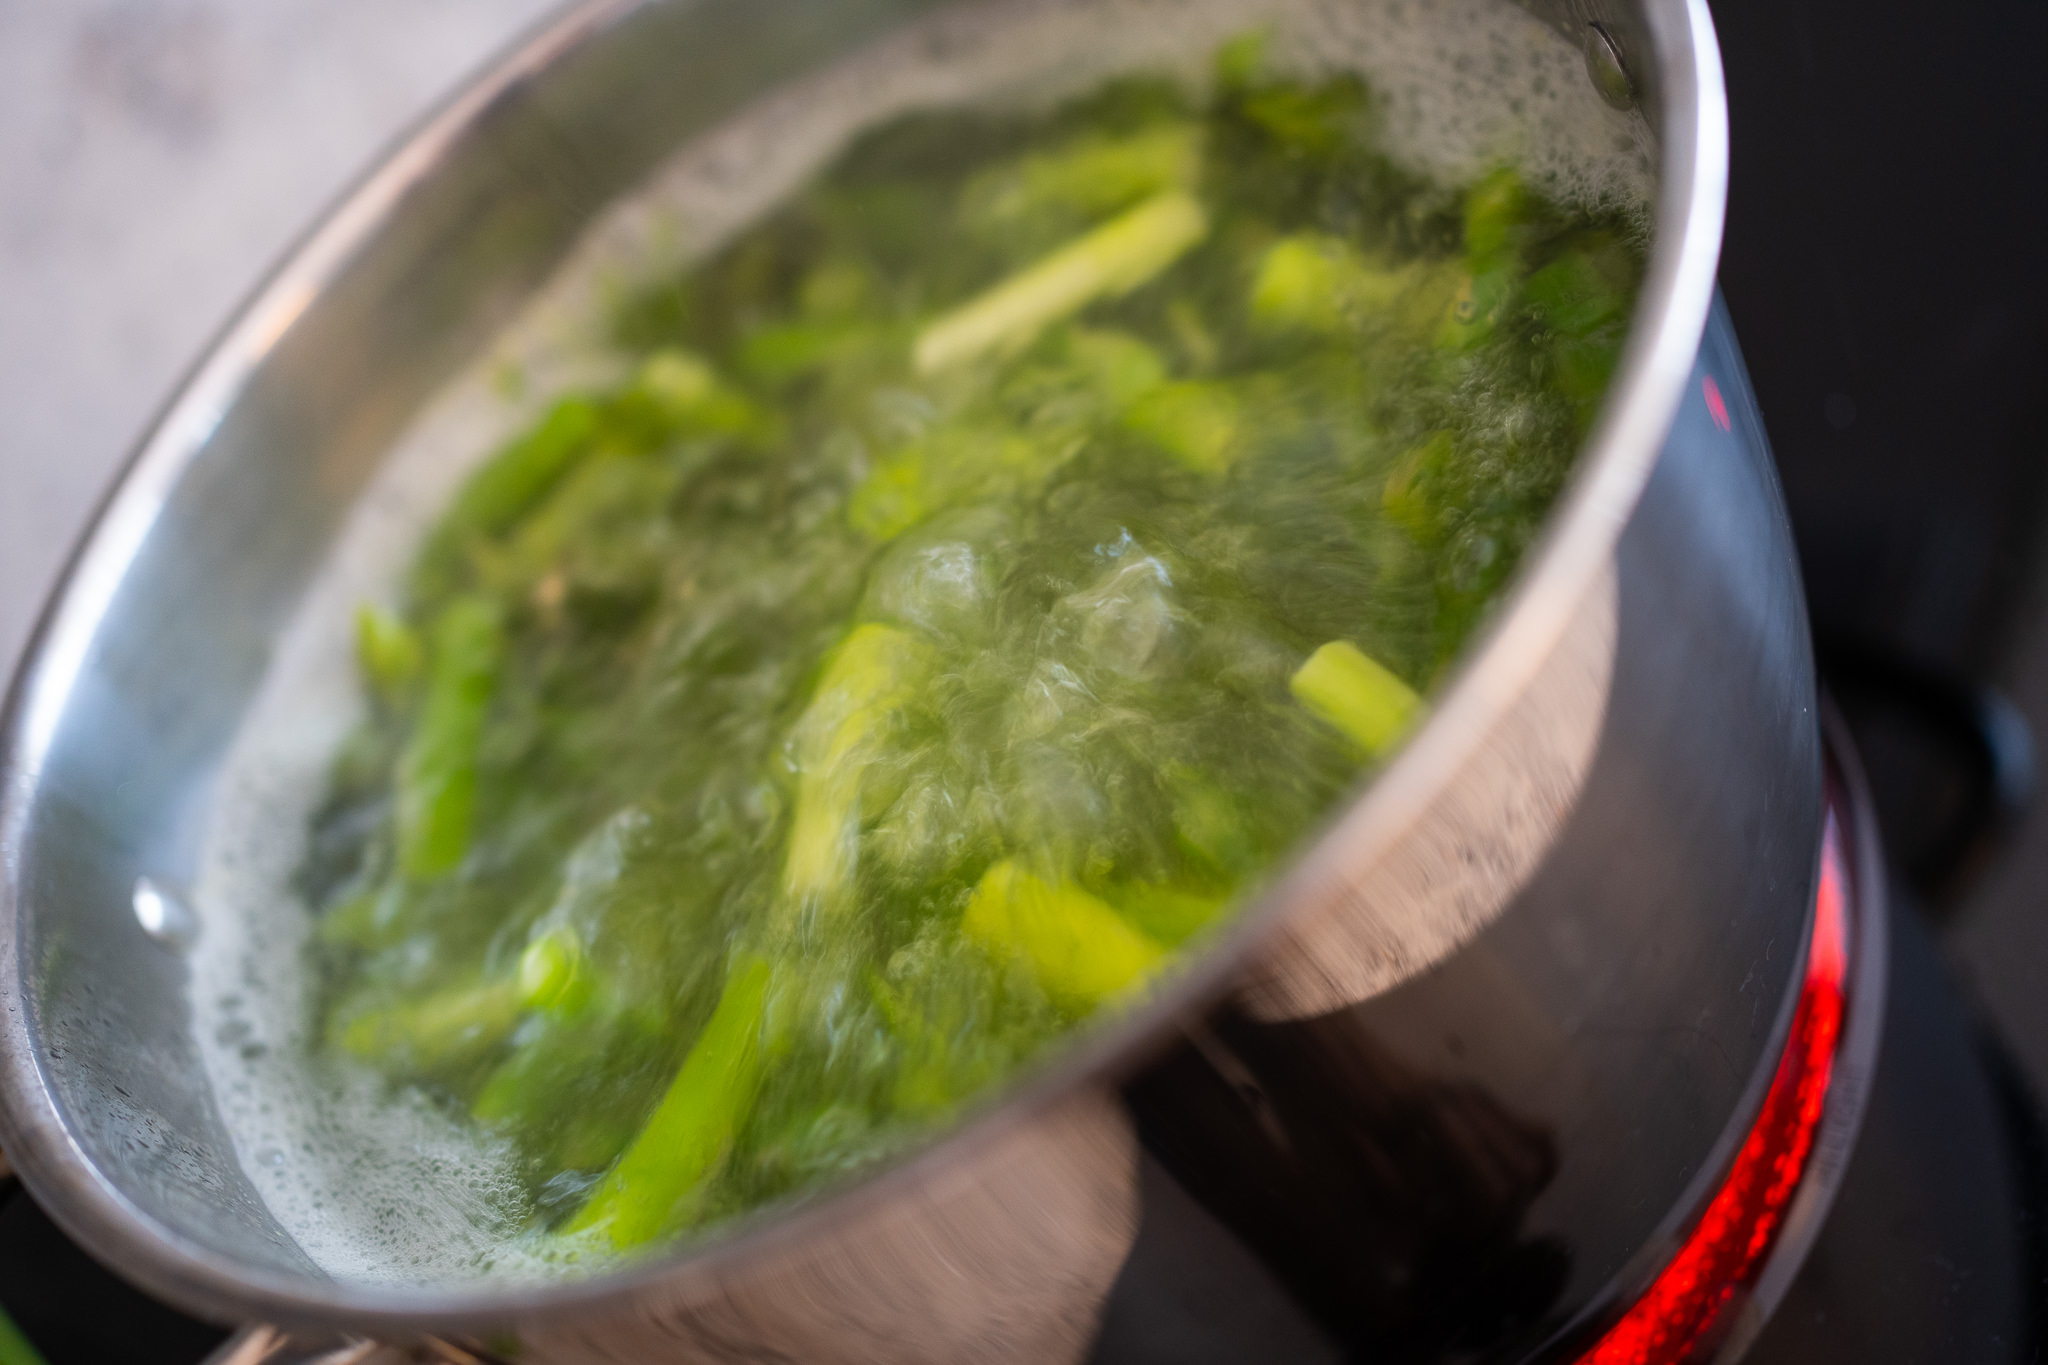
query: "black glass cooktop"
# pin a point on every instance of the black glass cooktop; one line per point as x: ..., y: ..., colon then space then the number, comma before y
x: 72, y: 1311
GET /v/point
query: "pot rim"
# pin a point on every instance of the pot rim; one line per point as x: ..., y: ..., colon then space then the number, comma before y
x: 1575, y: 547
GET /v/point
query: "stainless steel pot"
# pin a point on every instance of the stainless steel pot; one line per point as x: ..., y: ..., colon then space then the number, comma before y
x: 1455, y: 1087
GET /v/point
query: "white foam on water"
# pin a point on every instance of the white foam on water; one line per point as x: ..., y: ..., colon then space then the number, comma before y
x: 382, y: 1187
x: 371, y: 1185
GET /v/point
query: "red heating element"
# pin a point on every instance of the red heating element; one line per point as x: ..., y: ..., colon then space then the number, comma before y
x: 1686, y: 1309
x: 1717, y: 407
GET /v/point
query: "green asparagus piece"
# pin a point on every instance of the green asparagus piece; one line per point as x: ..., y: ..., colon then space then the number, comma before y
x: 690, y: 1132
x: 1113, y: 259
x: 437, y: 775
x: 1496, y: 227
x: 15, y: 1347
x: 443, y: 1030
x: 1372, y: 707
x: 1195, y: 421
x: 1583, y: 297
x: 1318, y: 283
x: 874, y: 672
x: 1082, y: 951
x: 463, y: 1022
x: 1402, y: 497
x: 691, y: 395
x: 519, y: 475
x: 1574, y: 296
x: 389, y: 653
x: 1119, y: 366
x: 554, y: 975
x: 1093, y: 174
x: 1496, y: 218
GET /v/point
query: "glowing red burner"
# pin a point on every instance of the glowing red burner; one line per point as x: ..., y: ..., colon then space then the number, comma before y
x: 1717, y: 407
x: 1694, y: 1297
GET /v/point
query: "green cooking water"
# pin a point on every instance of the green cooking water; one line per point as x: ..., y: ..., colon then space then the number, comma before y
x: 999, y: 558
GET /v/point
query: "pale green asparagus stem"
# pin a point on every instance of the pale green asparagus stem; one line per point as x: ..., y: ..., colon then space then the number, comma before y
x: 1081, y: 950
x: 690, y: 1132
x: 466, y: 1021
x: 388, y: 652
x: 15, y: 1347
x: 437, y: 776
x: 1114, y: 258
x: 446, y: 1027
x: 1372, y: 707
x: 872, y: 673
x: 554, y: 975
x: 1314, y: 282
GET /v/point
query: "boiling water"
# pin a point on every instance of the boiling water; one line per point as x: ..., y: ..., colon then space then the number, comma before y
x: 383, y: 1187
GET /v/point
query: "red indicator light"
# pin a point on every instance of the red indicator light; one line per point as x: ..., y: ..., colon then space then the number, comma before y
x: 1716, y: 407
x: 1686, y: 1306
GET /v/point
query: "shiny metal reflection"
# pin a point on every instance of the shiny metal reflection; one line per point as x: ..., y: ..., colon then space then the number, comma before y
x: 164, y: 916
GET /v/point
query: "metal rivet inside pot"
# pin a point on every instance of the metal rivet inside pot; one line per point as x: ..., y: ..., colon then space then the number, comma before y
x: 1608, y: 72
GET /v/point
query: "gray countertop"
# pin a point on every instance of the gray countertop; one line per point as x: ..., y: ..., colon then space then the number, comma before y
x: 155, y: 157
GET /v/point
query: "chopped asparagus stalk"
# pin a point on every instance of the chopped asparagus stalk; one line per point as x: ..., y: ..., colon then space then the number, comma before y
x: 1317, y: 283
x: 873, y: 673
x: 1496, y: 223
x: 1092, y: 174
x: 554, y: 975
x: 680, y: 379
x: 1119, y: 366
x: 1113, y: 259
x: 463, y: 1022
x: 1080, y: 949
x: 1403, y: 496
x: 691, y: 394
x: 437, y: 775
x: 1496, y: 211
x: 388, y: 652
x: 1371, y: 706
x: 445, y: 1029
x: 1583, y: 297
x: 1575, y: 297
x: 1194, y: 421
x: 686, y: 1139
x: 518, y: 475
x: 1474, y: 308
x: 824, y: 836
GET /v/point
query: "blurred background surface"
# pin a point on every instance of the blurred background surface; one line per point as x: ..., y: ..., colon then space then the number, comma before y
x: 1882, y: 266
x: 156, y: 156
